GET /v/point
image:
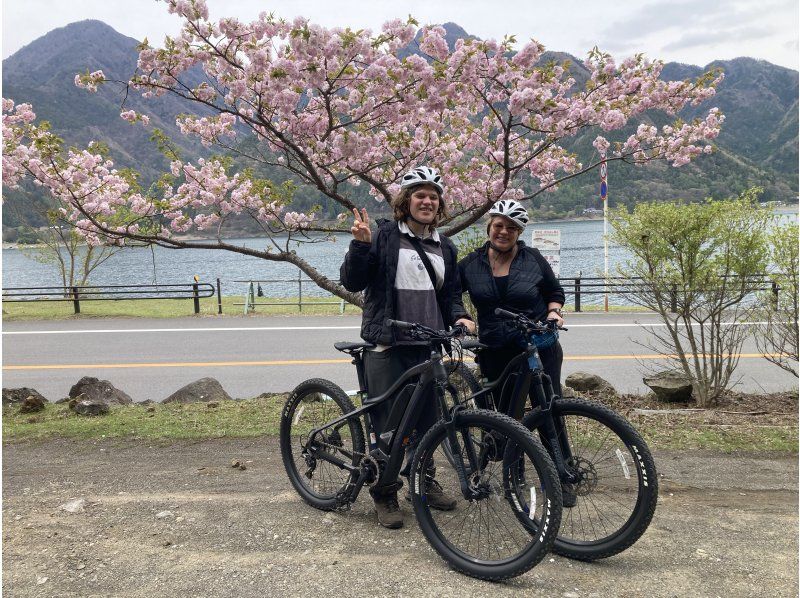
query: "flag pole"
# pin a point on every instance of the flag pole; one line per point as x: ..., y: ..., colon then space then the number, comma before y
x: 604, y: 198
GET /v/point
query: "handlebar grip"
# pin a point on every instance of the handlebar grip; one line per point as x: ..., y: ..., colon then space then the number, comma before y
x: 399, y: 324
x: 460, y: 330
x: 504, y: 313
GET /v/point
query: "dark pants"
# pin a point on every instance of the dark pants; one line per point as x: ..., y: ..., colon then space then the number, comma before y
x: 493, y: 361
x: 383, y: 369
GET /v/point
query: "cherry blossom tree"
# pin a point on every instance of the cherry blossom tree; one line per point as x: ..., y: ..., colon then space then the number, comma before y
x: 337, y: 108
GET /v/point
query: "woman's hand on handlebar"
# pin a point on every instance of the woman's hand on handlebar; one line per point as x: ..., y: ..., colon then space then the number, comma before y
x: 468, y: 325
x: 554, y: 313
x: 554, y: 317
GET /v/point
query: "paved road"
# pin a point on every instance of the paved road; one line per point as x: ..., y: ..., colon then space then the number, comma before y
x: 150, y: 359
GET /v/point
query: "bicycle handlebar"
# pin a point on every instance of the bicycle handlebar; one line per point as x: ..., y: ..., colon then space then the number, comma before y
x: 399, y: 324
x: 527, y: 323
x: 506, y: 314
x: 423, y: 331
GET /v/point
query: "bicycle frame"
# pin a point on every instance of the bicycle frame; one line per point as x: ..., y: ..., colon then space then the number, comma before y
x: 528, y: 379
x: 389, y: 447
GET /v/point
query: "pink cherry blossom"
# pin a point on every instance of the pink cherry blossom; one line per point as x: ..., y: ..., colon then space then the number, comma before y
x: 337, y: 108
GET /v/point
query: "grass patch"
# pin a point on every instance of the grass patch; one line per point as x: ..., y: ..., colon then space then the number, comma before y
x: 728, y: 439
x: 165, y: 308
x: 173, y: 421
x: 261, y: 416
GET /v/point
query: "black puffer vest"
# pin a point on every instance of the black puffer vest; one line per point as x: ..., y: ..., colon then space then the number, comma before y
x: 531, y: 286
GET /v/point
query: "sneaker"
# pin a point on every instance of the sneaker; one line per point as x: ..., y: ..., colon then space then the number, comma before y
x: 437, y: 499
x: 569, y: 497
x: 388, y: 510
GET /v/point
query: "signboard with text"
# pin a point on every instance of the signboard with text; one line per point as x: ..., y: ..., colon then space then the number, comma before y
x: 548, y: 242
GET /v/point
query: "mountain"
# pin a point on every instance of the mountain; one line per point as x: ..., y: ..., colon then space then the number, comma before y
x: 758, y: 143
x: 43, y: 73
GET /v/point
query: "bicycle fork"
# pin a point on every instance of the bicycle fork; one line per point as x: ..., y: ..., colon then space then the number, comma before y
x: 553, y: 433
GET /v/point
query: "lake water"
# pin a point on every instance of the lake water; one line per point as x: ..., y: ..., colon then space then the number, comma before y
x: 581, y: 251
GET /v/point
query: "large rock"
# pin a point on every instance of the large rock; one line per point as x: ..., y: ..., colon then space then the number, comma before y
x: 670, y: 386
x: 199, y: 391
x: 17, y: 395
x: 92, y: 389
x: 32, y: 404
x: 90, y: 407
x: 585, y: 381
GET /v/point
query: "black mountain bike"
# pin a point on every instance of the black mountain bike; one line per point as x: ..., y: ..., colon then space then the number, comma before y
x: 609, y: 480
x: 490, y: 463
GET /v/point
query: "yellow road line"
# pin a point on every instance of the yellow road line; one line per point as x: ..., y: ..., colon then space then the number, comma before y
x: 656, y: 356
x: 206, y: 364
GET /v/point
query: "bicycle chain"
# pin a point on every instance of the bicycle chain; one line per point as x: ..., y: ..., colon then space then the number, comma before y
x: 343, y: 501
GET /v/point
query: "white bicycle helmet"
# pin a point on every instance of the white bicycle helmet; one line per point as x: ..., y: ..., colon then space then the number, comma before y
x: 422, y: 175
x: 512, y: 210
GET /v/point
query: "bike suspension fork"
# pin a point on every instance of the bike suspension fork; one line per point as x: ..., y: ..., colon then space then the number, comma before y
x: 553, y: 431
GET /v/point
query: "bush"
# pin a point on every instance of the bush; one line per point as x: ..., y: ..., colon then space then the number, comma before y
x: 699, y: 266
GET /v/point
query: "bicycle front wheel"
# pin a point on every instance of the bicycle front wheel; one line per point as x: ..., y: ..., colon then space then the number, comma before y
x: 615, y: 495
x: 311, y: 405
x: 481, y: 534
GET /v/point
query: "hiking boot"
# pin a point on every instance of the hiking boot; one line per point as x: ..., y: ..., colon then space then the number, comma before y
x: 569, y: 498
x: 437, y: 499
x: 388, y: 510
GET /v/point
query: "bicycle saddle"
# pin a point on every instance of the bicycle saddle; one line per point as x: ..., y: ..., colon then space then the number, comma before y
x: 352, y: 348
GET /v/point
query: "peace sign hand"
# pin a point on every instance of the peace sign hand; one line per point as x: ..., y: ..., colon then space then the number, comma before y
x: 360, y: 228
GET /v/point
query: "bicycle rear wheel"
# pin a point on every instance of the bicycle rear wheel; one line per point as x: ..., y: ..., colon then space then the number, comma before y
x: 617, y: 489
x: 482, y: 536
x: 312, y: 404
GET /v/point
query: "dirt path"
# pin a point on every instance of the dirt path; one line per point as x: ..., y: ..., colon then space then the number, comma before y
x: 177, y: 520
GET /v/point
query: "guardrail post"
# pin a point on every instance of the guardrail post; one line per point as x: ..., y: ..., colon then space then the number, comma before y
x: 75, y: 301
x: 219, y: 298
x: 673, y: 299
x: 578, y: 293
x: 196, y: 298
x: 300, y: 290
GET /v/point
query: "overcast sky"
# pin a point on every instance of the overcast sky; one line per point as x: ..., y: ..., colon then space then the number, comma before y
x: 689, y: 31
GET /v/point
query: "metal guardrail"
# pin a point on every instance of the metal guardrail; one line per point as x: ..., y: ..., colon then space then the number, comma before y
x: 577, y: 286
x: 620, y: 285
x: 77, y: 294
x: 254, y: 290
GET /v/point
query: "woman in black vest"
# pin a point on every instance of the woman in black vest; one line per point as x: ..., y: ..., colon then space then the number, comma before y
x: 505, y: 273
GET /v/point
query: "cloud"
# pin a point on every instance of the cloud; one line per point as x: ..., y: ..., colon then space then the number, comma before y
x: 661, y: 16
x: 697, y: 39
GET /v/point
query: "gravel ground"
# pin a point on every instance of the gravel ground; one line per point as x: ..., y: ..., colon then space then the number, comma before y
x: 178, y: 520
